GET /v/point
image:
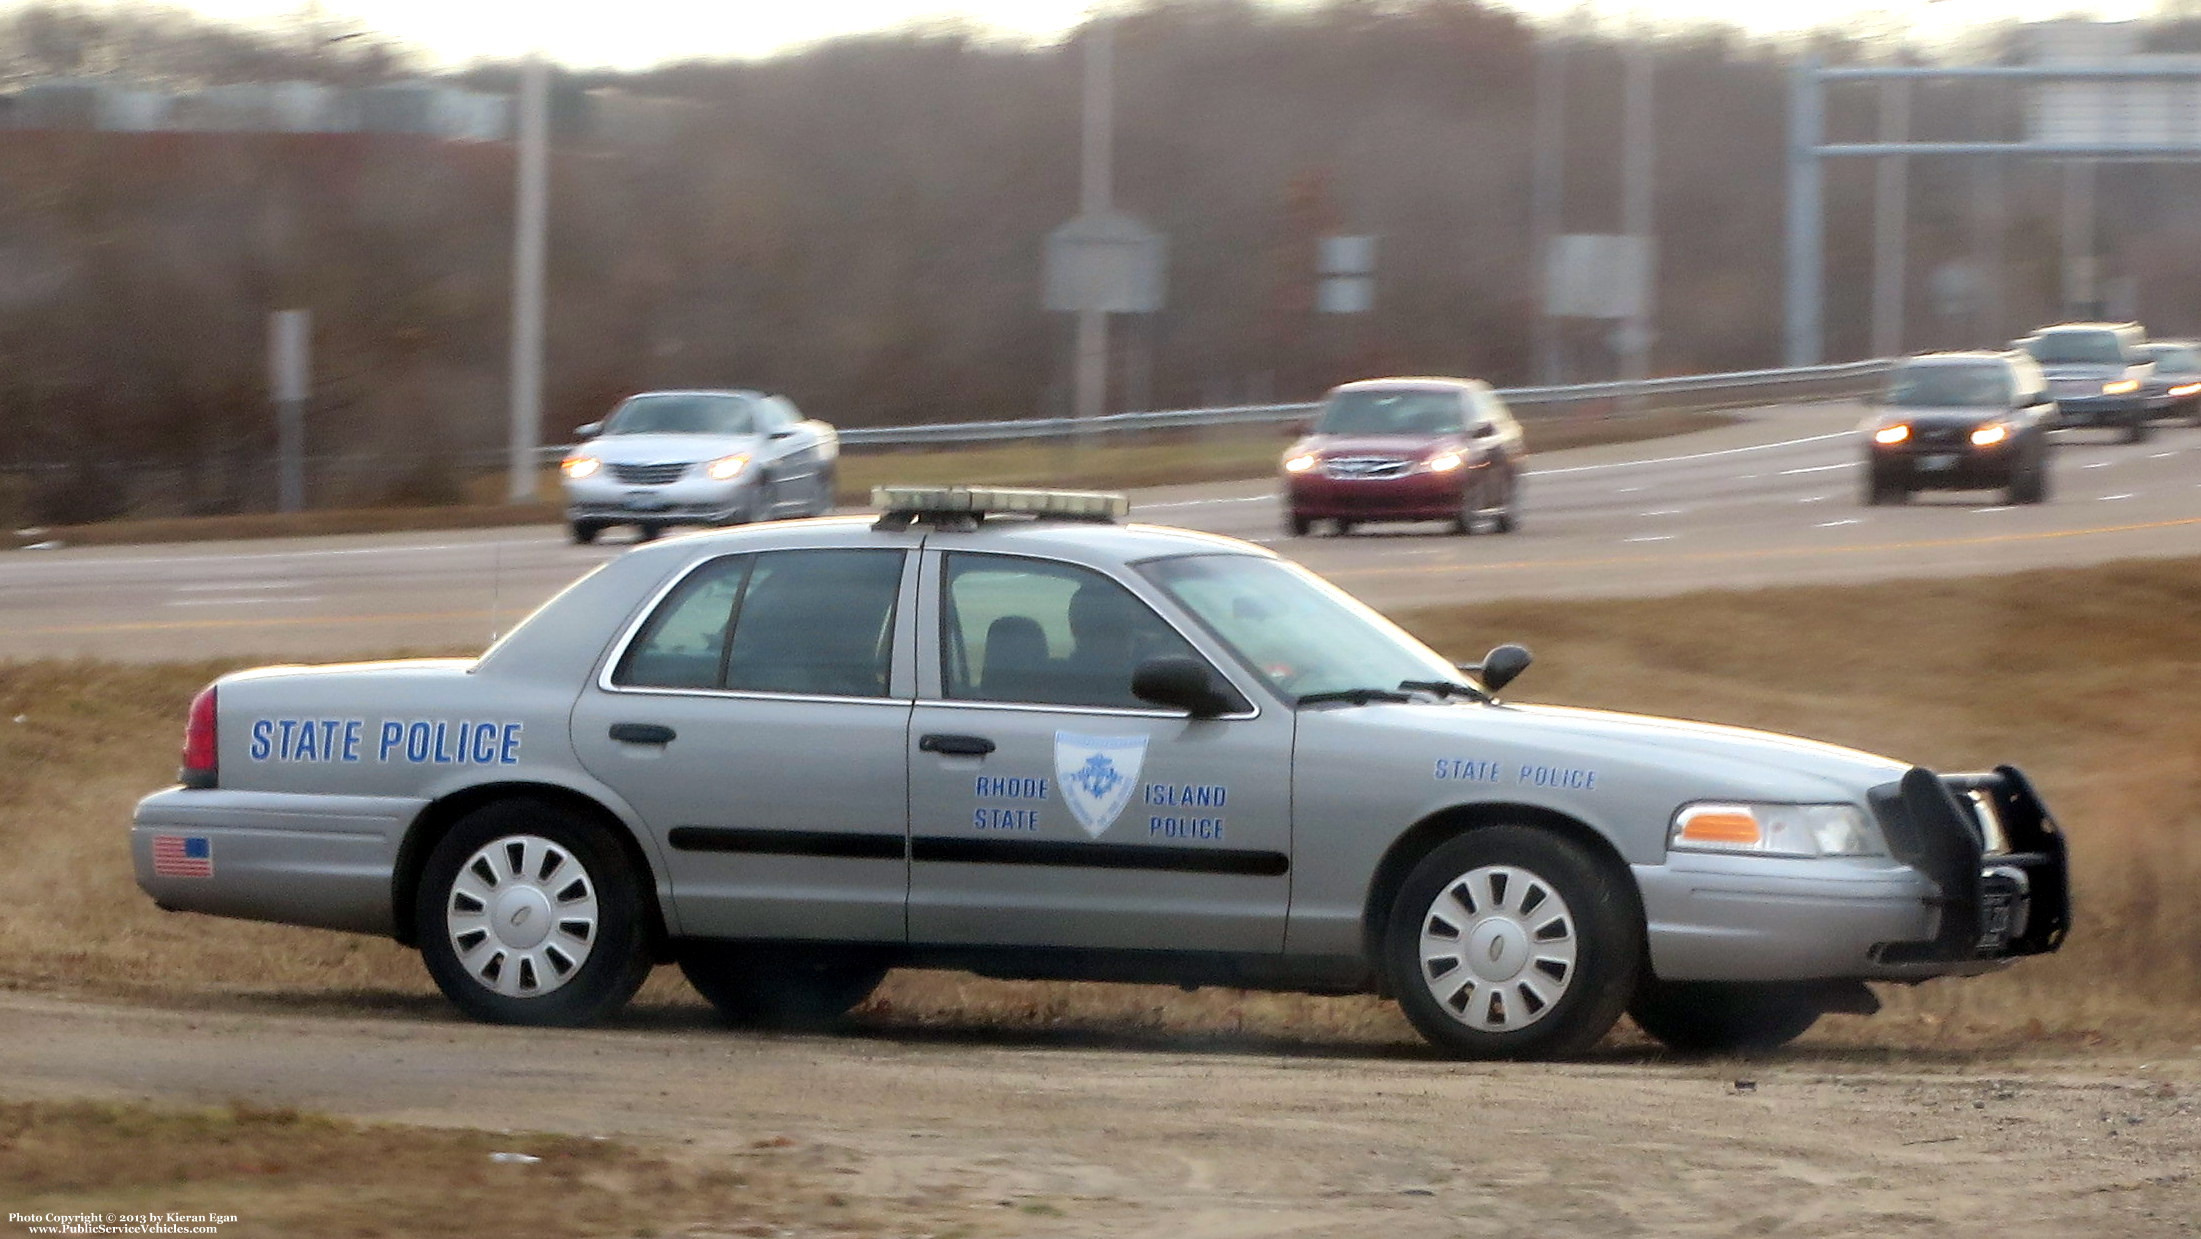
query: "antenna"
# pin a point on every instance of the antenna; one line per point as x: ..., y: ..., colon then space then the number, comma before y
x: 496, y: 587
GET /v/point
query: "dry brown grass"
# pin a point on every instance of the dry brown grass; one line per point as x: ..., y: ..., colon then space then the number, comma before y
x: 279, y: 1172
x: 2090, y: 679
x: 1226, y: 454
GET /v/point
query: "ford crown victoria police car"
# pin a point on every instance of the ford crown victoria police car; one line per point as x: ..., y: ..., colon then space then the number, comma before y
x: 790, y: 757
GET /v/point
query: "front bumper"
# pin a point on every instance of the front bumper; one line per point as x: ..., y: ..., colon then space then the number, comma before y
x: 1415, y: 496
x: 1956, y: 465
x: 1940, y: 906
x: 693, y: 500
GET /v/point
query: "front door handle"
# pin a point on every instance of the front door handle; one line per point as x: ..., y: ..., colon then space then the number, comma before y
x: 956, y: 746
x: 642, y: 733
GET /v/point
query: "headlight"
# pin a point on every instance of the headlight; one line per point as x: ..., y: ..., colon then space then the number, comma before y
x: 1891, y: 435
x: 580, y: 466
x: 727, y: 468
x: 2120, y: 387
x: 2185, y: 389
x: 1300, y: 463
x: 1444, y: 462
x: 1776, y: 830
x: 1990, y: 434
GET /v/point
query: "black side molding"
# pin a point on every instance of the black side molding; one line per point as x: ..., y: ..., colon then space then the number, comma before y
x: 787, y: 842
x: 1049, y: 853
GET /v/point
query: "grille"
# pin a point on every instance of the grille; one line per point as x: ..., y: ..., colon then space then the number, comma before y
x: 648, y: 475
x: 1934, y: 436
x: 2074, y: 387
x: 1367, y: 467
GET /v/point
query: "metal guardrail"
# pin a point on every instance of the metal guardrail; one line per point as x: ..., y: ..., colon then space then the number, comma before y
x: 1530, y: 401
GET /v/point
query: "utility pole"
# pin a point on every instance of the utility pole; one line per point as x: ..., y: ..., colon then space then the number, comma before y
x: 1096, y: 192
x: 1639, y: 154
x: 1547, y: 207
x: 1889, y: 230
x: 530, y: 224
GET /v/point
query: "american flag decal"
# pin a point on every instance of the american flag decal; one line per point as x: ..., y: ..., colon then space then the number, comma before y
x: 183, y: 856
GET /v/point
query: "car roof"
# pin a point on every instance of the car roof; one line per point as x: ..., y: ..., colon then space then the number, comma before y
x: 1409, y: 383
x: 2041, y: 331
x: 1085, y: 541
x: 744, y: 392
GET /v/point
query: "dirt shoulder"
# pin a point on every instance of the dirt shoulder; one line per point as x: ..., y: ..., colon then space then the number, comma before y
x: 982, y: 1133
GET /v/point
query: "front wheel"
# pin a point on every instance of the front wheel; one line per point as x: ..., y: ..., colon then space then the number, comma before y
x: 1512, y: 942
x: 1509, y: 516
x: 2138, y: 432
x: 1711, y: 1017
x: 780, y: 987
x: 584, y: 532
x: 1297, y: 525
x: 529, y: 913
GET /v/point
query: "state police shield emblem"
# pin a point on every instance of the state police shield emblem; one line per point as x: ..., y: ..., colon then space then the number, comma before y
x: 1097, y: 775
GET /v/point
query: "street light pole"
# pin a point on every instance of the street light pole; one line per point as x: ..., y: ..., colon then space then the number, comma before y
x: 1548, y: 177
x: 530, y: 224
x: 1095, y: 191
x: 1639, y: 153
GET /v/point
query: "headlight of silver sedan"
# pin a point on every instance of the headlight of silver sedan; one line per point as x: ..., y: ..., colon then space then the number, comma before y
x: 1775, y: 830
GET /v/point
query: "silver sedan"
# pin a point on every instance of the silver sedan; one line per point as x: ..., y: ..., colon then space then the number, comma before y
x: 698, y: 458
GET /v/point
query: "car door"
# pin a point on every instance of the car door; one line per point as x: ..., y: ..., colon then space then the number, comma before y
x: 792, y: 458
x: 1050, y: 807
x: 757, y: 720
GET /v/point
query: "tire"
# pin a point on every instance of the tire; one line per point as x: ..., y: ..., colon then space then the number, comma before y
x: 1710, y: 1017
x: 828, y: 491
x: 780, y: 987
x: 1297, y: 525
x: 647, y: 531
x: 584, y: 532
x: 1470, y: 514
x: 1509, y: 517
x: 1879, y: 490
x: 478, y: 936
x: 2139, y: 432
x: 1342, y: 527
x: 2030, y: 486
x: 1550, y: 937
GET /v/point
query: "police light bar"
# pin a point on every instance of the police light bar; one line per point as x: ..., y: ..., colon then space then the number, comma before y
x: 904, y: 504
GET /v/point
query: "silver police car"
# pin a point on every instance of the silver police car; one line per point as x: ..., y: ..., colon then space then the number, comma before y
x: 1003, y: 731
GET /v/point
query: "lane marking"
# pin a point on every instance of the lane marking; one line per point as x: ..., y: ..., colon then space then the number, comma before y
x: 1655, y: 537
x: 2002, y: 508
x: 1669, y: 460
x: 1847, y: 464
x: 2108, y: 498
x: 241, y: 556
x: 1834, y: 524
x: 1857, y: 548
x: 284, y: 621
x: 1666, y: 512
x: 2099, y: 464
x: 1208, y: 503
x: 239, y: 602
x: 1815, y: 499
x: 231, y: 587
x: 2162, y: 456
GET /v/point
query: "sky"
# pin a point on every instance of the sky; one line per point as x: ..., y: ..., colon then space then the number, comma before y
x: 633, y: 34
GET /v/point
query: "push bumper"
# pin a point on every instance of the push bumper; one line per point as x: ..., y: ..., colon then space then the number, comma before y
x: 325, y: 861
x: 1941, y: 905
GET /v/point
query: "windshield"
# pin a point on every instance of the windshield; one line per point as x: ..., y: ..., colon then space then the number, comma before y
x: 1391, y: 413
x: 2076, y: 348
x: 682, y: 413
x: 2175, y: 357
x: 1299, y: 632
x: 1946, y: 387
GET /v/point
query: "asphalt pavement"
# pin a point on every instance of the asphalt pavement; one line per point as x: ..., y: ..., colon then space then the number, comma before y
x: 1772, y: 500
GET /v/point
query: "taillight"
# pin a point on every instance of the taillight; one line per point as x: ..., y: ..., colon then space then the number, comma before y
x: 200, y: 752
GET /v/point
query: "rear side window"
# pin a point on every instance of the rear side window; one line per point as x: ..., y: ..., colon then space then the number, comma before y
x: 815, y: 622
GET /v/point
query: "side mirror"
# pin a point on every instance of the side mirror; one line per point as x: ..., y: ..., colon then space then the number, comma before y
x: 589, y: 431
x: 1298, y: 429
x: 1183, y: 684
x: 782, y: 433
x: 1483, y: 430
x: 1500, y: 667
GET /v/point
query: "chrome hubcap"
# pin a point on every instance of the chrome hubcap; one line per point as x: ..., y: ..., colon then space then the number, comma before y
x: 1498, y: 948
x: 522, y: 916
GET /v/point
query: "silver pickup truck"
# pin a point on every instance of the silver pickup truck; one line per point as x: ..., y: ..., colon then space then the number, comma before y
x: 1004, y: 731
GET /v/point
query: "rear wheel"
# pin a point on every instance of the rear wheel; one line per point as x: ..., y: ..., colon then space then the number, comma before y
x: 647, y: 531
x: 1512, y: 942
x: 584, y: 532
x: 1343, y: 527
x: 1471, y: 512
x: 780, y: 987
x: 1710, y: 1017
x: 828, y: 491
x: 529, y: 913
x: 1509, y: 516
x: 1297, y: 525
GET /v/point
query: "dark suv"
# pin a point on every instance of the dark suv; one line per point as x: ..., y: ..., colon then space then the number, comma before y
x: 1407, y: 450
x: 2099, y: 373
x: 1959, y: 421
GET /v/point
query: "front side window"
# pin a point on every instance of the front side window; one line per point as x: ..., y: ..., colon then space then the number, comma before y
x: 683, y: 413
x: 1299, y: 632
x: 1045, y: 633
x: 815, y: 622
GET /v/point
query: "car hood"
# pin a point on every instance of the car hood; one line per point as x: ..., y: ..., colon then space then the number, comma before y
x: 1375, y: 445
x: 657, y: 449
x: 1720, y: 760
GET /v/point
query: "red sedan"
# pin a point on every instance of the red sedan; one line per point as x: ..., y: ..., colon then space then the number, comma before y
x: 1407, y: 450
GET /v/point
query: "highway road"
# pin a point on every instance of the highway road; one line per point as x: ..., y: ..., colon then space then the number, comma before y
x: 1771, y: 500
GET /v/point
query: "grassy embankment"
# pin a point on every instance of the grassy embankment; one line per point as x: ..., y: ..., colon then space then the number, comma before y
x: 2090, y: 679
x: 1225, y: 454
x: 265, y: 1172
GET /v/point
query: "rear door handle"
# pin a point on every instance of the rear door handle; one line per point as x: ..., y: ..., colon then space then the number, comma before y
x: 956, y: 746
x: 642, y: 733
